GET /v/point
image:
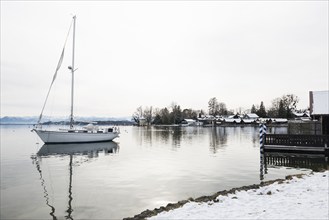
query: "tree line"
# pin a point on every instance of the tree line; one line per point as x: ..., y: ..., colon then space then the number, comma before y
x: 282, y: 107
x: 168, y: 115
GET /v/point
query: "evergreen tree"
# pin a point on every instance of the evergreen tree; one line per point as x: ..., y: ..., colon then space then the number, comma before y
x: 282, y: 112
x: 189, y: 113
x: 157, y: 119
x: 284, y: 106
x: 165, y: 116
x: 176, y: 114
x: 261, y: 111
x: 253, y: 109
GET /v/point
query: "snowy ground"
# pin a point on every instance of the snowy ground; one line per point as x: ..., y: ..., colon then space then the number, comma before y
x: 298, y: 198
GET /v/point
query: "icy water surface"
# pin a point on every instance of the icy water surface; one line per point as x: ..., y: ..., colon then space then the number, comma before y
x: 143, y: 169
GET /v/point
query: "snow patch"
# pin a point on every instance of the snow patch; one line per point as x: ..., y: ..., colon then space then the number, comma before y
x: 298, y: 198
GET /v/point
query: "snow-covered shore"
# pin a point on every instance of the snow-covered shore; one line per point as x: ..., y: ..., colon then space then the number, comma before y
x: 303, y: 197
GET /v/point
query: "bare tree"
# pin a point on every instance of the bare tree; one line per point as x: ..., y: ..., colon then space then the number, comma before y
x: 284, y: 106
x: 222, y: 110
x: 213, y: 106
x: 138, y: 114
x: 148, y: 115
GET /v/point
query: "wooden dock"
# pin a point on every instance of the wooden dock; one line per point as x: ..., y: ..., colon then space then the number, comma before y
x: 315, y: 162
x: 296, y: 143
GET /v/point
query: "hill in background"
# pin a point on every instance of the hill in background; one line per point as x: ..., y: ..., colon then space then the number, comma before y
x: 60, y: 120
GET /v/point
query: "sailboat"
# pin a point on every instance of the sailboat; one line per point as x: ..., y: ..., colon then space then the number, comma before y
x: 89, y: 133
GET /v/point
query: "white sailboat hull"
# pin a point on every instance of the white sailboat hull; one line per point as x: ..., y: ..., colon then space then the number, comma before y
x: 60, y: 137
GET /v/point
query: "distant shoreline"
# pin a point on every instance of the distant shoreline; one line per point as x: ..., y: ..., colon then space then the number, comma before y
x: 123, y: 123
x: 129, y: 123
x: 15, y: 124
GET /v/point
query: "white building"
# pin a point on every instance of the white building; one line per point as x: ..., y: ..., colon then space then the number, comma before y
x: 189, y: 122
x: 319, y: 108
x: 251, y: 116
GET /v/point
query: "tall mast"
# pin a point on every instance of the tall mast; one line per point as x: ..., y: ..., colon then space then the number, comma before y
x: 72, y: 71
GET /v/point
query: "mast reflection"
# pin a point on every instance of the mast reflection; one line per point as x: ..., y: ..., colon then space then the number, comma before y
x: 45, y: 192
x: 91, y: 150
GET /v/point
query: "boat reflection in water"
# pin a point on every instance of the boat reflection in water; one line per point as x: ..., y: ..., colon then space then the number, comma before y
x: 90, y: 150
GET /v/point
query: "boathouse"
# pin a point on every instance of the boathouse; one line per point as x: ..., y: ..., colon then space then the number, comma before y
x: 276, y: 120
x: 251, y: 116
x: 142, y: 121
x: 319, y: 109
x: 188, y: 122
x: 317, y: 143
x: 302, y: 116
x: 207, y: 120
x: 236, y: 116
x: 232, y: 120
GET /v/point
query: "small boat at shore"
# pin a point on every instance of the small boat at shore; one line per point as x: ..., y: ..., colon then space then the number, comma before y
x: 90, y: 133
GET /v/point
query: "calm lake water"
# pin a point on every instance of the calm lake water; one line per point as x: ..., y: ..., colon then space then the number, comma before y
x: 143, y: 169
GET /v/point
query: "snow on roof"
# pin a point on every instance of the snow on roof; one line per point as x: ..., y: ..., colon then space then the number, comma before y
x: 232, y: 120
x: 189, y: 120
x: 206, y: 118
x: 234, y: 116
x: 302, y: 114
x: 319, y: 102
x: 280, y: 119
x: 252, y: 115
x: 248, y: 120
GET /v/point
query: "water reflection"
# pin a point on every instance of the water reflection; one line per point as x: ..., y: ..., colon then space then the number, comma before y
x: 45, y: 191
x: 313, y: 162
x: 277, y: 130
x: 218, y: 139
x: 255, y: 137
x: 176, y: 136
x: 91, y: 150
x: 153, y: 169
x: 143, y: 135
x: 163, y: 134
x: 300, y: 161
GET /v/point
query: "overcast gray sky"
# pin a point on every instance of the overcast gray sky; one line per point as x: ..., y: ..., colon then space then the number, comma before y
x: 135, y: 53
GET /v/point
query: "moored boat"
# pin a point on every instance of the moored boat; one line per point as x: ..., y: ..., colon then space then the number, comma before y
x: 87, y: 134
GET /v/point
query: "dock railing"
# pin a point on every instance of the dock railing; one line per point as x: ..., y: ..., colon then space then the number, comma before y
x: 297, y: 140
x: 316, y: 163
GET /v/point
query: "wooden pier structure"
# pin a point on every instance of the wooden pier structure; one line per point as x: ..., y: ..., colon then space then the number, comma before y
x: 316, y: 162
x: 297, y: 143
